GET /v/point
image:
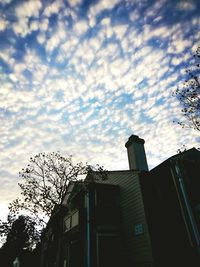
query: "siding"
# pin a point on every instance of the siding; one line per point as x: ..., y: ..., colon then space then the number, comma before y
x: 136, y: 249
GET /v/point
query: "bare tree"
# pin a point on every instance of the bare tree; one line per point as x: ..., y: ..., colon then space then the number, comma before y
x: 189, y: 96
x: 45, y: 182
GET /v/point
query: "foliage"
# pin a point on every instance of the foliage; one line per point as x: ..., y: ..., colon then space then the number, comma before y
x: 21, y: 237
x: 189, y: 96
x: 23, y: 233
x: 182, y: 149
x: 19, y: 233
x: 44, y: 183
x: 5, y: 228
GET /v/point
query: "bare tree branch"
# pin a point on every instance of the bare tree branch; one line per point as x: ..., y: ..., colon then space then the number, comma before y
x: 189, y: 96
x: 44, y: 183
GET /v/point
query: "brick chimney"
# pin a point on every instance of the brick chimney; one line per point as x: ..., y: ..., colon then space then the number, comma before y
x: 136, y: 153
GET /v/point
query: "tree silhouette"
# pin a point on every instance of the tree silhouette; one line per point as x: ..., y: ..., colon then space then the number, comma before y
x: 189, y: 96
x: 44, y: 183
x: 21, y: 235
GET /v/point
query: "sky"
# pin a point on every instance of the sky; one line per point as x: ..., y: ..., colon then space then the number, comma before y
x: 81, y: 76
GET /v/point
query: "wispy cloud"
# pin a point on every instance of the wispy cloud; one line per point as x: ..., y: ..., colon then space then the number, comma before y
x: 3, y: 24
x: 81, y: 78
x: 97, y: 8
x: 53, y: 8
x: 186, y: 5
x: 28, y: 9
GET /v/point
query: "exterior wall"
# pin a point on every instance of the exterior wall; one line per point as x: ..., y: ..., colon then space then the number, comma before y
x: 135, y: 246
x: 166, y: 212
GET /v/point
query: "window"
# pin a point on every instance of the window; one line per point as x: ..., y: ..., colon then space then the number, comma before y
x: 75, y: 219
x: 138, y: 229
x: 71, y: 221
x: 67, y: 224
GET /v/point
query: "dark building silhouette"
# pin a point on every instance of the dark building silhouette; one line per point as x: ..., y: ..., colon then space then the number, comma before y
x: 171, y: 194
x: 132, y: 218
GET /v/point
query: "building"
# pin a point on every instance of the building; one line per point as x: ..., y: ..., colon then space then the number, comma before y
x: 132, y: 218
x: 171, y: 195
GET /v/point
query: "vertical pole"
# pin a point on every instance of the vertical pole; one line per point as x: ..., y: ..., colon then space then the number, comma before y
x: 188, y: 208
x: 88, y: 227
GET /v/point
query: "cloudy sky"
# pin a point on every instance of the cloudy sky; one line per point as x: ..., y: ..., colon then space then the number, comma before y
x: 81, y: 76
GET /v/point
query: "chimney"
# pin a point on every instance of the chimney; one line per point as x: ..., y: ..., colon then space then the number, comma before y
x: 136, y: 153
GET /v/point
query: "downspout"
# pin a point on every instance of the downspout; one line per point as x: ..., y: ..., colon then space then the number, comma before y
x: 187, y: 206
x: 88, y: 227
x: 181, y: 205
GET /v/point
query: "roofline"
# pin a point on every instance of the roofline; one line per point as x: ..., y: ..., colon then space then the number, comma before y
x: 120, y: 171
x: 183, y: 152
x: 178, y: 155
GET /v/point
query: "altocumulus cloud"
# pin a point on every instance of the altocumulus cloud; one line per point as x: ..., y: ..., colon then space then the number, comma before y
x: 81, y: 76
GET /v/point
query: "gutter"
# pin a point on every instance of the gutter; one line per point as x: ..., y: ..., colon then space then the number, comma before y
x: 187, y: 206
x: 88, y: 264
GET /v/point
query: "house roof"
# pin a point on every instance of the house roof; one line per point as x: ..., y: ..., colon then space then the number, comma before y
x: 189, y: 154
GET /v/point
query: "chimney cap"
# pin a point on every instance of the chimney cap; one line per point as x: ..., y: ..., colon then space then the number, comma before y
x: 134, y: 139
